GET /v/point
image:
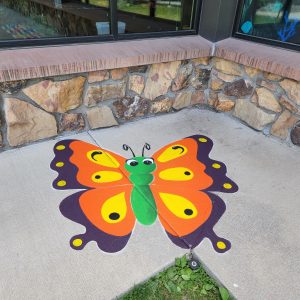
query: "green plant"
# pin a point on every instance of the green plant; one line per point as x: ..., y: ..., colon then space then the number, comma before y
x: 224, y: 293
x: 179, y: 282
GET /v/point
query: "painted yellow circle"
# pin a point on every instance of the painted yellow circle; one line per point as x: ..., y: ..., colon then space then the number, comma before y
x: 59, y: 164
x: 202, y: 140
x: 77, y: 242
x: 216, y: 166
x: 60, y: 147
x: 227, y: 186
x: 61, y: 183
x: 221, y: 245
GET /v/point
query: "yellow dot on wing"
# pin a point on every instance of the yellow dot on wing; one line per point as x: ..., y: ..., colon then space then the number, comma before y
x: 106, y: 176
x: 77, y: 242
x: 60, y: 147
x: 176, y: 174
x: 172, y: 152
x: 59, y: 164
x: 221, y: 245
x: 202, y: 140
x: 114, y: 209
x: 61, y: 183
x: 227, y: 186
x: 216, y: 166
x: 179, y: 206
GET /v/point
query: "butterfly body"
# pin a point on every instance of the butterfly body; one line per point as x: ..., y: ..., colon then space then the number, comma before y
x: 142, y: 200
x: 176, y: 186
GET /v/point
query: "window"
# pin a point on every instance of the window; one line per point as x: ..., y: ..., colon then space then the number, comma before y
x: 36, y: 22
x: 154, y: 15
x: 271, y: 21
x: 36, y: 19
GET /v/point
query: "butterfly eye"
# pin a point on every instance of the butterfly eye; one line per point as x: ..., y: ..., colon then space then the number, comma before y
x: 132, y: 162
x: 148, y: 161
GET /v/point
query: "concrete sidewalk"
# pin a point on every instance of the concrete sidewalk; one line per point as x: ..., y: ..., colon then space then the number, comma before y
x: 262, y: 219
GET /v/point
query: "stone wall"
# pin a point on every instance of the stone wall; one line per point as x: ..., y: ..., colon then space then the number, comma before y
x: 264, y: 101
x: 39, y: 109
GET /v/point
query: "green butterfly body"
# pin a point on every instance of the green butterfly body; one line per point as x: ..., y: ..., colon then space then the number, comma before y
x: 142, y: 200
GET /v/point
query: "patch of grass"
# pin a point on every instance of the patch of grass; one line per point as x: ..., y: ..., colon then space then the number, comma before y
x: 103, y: 3
x: 141, y: 8
x: 168, y: 12
x: 265, y: 20
x: 162, y: 11
x: 178, y: 282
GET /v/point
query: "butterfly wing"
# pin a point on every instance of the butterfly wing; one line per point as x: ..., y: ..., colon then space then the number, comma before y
x: 82, y: 165
x: 187, y: 162
x: 105, y: 213
x: 189, y: 216
x: 184, y: 179
x: 104, y: 207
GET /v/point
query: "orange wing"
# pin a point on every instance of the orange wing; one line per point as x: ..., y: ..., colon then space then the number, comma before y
x: 104, y: 207
x: 186, y: 162
x: 177, y: 164
x: 181, y: 211
x: 106, y: 214
x: 83, y: 165
x: 184, y: 179
x: 109, y: 209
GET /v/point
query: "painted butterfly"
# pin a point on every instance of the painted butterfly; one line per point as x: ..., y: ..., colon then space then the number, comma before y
x: 175, y: 185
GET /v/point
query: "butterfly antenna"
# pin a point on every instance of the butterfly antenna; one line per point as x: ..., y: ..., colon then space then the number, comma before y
x: 126, y: 148
x: 146, y: 146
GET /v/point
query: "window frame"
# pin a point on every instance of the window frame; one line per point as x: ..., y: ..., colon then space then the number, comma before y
x: 113, y: 36
x: 257, y: 39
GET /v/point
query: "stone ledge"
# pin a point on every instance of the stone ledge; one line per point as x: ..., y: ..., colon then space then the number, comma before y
x: 27, y: 63
x: 283, y: 62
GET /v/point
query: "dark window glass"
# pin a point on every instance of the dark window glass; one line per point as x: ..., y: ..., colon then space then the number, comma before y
x: 25, y: 22
x: 31, y: 19
x: 277, y: 20
x: 139, y: 16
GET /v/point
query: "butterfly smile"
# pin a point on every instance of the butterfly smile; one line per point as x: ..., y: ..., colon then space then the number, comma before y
x: 176, y: 185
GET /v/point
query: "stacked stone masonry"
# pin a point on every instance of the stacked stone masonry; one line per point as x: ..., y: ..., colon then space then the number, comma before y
x: 33, y: 110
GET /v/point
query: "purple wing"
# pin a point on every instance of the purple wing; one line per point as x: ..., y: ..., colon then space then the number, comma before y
x: 215, y: 169
x: 67, y: 172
